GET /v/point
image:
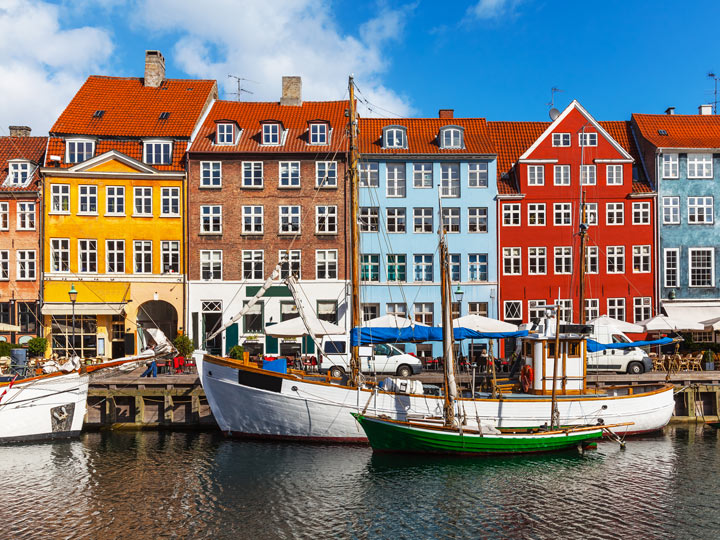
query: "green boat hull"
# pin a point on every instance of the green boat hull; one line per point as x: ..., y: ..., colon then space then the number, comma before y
x: 389, y: 436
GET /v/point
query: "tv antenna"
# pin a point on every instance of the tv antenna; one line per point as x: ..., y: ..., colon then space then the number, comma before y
x: 240, y: 89
x: 554, y: 113
x: 715, y: 99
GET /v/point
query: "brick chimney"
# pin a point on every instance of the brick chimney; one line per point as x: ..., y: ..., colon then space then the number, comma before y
x: 705, y: 110
x: 291, y: 91
x: 446, y: 113
x: 670, y: 110
x: 154, y: 69
x: 19, y: 131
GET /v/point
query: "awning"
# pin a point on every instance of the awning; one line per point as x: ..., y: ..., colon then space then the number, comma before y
x: 695, y: 314
x: 5, y: 327
x: 83, y: 308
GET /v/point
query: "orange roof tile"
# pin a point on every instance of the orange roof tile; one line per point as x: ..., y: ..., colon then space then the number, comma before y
x: 29, y: 148
x: 248, y: 116
x: 621, y: 131
x: 683, y: 130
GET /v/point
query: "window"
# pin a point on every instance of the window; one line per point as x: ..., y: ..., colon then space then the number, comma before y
x: 370, y: 311
x: 59, y: 255
x: 561, y: 175
x: 562, y: 214
x: 326, y: 219
x: 642, y: 308
x: 87, y: 256
x: 143, y: 201
x: 252, y: 174
x: 394, y: 138
x: 289, y: 219
x: 115, y: 256
x: 703, y: 337
x: 4, y: 216
x: 399, y: 309
x: 211, y: 219
x: 565, y: 308
x: 87, y: 199
x: 271, y: 134
x: 641, y: 213
x: 451, y: 219
x: 368, y: 216
x: 26, y: 264
x: 477, y: 220
x: 671, y: 210
x: 588, y: 139
x: 325, y: 174
x: 591, y: 213
x: 79, y: 151
x: 422, y: 220
x: 252, y: 219
x: 641, y: 259
x: 369, y: 175
x: 27, y: 317
x: 511, y: 261
x: 536, y: 309
x: 289, y: 174
x: 563, y: 260
x: 158, y: 152
x: 290, y: 263
x: 19, y: 173
x: 225, y: 134
x: 423, y: 271
x: 561, y: 139
x: 170, y: 201
x: 512, y: 310
x: 25, y: 216
x: 478, y: 266
x: 253, y: 320
x: 396, y: 267
x: 370, y: 267
x: 536, y: 175
x: 143, y: 256
x: 592, y: 308
x: 702, y: 267
x: 60, y: 194
x: 451, y: 138
x: 210, y: 265
x: 615, y: 259
x: 454, y: 263
x: 700, y: 210
x: 670, y: 166
x: 616, y: 308
x: 478, y: 308
x: 211, y: 174
x: 449, y: 180
x: 253, y: 263
x: 592, y: 260
x: 115, y: 200
x: 5, y: 268
x: 423, y: 313
x: 614, y: 175
x: 511, y: 215
x: 478, y: 175
x: 536, y: 214
x: 288, y: 310
x: 84, y: 335
x: 422, y: 175
x: 170, y: 256
x: 588, y: 175
x: 326, y: 264
x: 327, y: 311
x: 395, y: 219
x: 537, y: 260
x: 699, y: 166
x: 615, y: 213
x: 395, y: 175
x: 672, y: 268
x: 318, y: 133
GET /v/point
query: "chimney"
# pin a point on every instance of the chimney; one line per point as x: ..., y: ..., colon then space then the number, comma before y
x: 446, y: 113
x: 705, y: 110
x: 154, y: 69
x: 291, y: 91
x: 670, y: 110
x: 19, y: 131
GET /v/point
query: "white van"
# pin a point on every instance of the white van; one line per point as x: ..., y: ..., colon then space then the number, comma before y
x: 632, y: 360
x: 379, y: 358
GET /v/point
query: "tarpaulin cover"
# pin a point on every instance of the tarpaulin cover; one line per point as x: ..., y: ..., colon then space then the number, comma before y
x: 594, y: 346
x: 278, y: 366
x: 366, y: 336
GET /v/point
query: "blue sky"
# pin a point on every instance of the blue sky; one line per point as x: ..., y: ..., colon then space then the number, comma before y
x: 492, y: 58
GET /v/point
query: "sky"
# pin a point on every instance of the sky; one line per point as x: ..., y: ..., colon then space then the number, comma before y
x: 497, y: 59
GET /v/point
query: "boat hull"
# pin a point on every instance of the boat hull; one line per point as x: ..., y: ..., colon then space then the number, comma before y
x: 247, y: 401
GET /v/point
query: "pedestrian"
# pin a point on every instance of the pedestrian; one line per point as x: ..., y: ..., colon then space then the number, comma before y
x: 151, y: 370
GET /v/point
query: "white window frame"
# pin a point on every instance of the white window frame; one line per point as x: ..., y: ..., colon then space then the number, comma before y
x: 26, y: 212
x: 250, y: 212
x: 271, y: 134
x: 252, y: 175
x: 536, y: 215
x: 423, y: 266
x: 394, y: 137
x: 616, y: 254
x: 671, y: 166
x: 212, y: 260
x: 698, y: 207
x: 592, y: 308
x: 691, y: 251
x: 169, y: 249
x: 5, y: 216
x: 511, y: 213
x: 289, y: 174
x: 318, y: 133
x: 19, y: 173
x: 398, y: 262
x: 86, y: 154
x: 143, y: 192
x: 85, y: 251
x: 588, y: 175
x: 423, y: 312
x: 208, y: 170
x: 396, y: 219
x: 287, y: 215
x: 87, y: 195
x: 451, y: 137
x: 564, y: 211
x: 513, y: 256
x: 450, y: 180
x: 60, y: 193
x: 370, y: 267
x: 114, y: 255
x: 536, y: 175
x: 561, y: 175
x: 326, y: 174
x: 59, y: 252
x: 592, y: 260
x: 641, y: 259
x: 225, y: 134
x: 211, y: 219
x: 395, y: 181
x: 326, y: 219
x: 641, y: 213
x: 169, y: 193
x: 560, y: 140
x: 253, y: 264
x: 644, y: 304
x: 699, y: 166
x: 451, y: 219
x: 614, y: 175
x: 614, y: 214
x: 478, y: 265
x: 150, y: 151
x: 512, y: 307
x: 427, y: 220
x: 478, y: 217
x: 423, y: 175
x: 478, y: 175
x: 591, y: 213
x: 326, y: 261
x: 29, y: 257
x: 536, y: 309
x: 118, y: 193
x: 143, y: 245
x: 4, y: 265
x: 671, y: 210
x: 537, y: 261
x: 588, y: 139
x: 615, y: 306
x: 369, y: 174
x: 673, y: 266
x: 563, y: 260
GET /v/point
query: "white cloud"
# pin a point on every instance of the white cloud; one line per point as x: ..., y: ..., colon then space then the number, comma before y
x: 42, y: 65
x: 493, y: 9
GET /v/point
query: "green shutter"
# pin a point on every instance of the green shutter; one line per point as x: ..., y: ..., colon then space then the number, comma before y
x: 271, y: 345
x: 195, y: 329
x: 308, y: 345
x: 231, y: 337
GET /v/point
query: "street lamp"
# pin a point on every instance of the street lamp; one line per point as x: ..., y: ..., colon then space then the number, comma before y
x: 72, y: 293
x: 458, y: 298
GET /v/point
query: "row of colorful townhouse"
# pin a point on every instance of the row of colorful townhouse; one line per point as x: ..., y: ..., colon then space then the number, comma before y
x: 162, y: 205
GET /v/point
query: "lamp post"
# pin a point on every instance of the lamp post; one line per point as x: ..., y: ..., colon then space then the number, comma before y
x: 459, y: 293
x: 72, y: 293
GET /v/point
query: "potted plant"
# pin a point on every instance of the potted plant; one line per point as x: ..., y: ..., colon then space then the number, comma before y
x: 237, y: 352
x: 184, y: 346
x: 37, y: 347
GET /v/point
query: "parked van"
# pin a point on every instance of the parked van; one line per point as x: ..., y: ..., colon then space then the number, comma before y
x: 379, y: 358
x: 632, y: 360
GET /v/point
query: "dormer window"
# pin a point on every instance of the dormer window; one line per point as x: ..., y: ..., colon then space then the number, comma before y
x: 271, y: 134
x: 318, y: 133
x: 19, y: 174
x: 158, y: 152
x: 78, y: 150
x: 451, y: 137
x: 394, y: 137
x: 225, y: 134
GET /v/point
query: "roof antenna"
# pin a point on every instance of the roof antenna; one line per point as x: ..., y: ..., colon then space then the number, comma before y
x: 715, y: 101
x: 554, y: 113
x: 240, y: 89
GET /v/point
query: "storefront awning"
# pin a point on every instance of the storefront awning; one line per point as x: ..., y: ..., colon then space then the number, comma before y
x: 83, y: 308
x: 703, y: 314
x: 5, y: 327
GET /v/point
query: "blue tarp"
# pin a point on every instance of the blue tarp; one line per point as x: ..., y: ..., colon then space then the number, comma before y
x: 594, y: 346
x: 278, y: 365
x: 368, y: 335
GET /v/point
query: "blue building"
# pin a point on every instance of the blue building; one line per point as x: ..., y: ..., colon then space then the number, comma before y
x: 407, y: 168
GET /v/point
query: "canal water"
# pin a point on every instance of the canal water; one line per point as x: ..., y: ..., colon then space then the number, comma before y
x: 152, y: 485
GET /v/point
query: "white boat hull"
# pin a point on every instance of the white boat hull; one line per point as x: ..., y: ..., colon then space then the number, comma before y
x: 274, y: 406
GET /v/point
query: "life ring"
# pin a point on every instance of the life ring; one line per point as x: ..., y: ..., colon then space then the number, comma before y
x: 527, y: 375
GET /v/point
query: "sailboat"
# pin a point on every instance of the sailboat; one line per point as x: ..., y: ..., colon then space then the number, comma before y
x: 248, y: 401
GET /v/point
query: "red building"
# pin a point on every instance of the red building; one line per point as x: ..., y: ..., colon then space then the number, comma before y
x: 543, y: 170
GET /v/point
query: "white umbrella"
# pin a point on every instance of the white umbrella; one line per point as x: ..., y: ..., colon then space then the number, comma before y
x: 712, y: 324
x: 296, y: 328
x: 390, y: 321
x: 483, y: 324
x: 665, y: 323
x: 623, y: 326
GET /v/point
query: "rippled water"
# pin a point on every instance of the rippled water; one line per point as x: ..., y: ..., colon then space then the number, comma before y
x: 199, y: 485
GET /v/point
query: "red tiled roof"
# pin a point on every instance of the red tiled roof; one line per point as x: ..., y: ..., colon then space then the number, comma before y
x: 621, y: 131
x: 249, y: 115
x: 422, y: 135
x: 131, y: 148
x: 29, y: 148
x: 683, y: 130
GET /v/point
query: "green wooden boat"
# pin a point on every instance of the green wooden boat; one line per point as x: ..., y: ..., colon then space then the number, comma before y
x: 716, y: 425
x: 427, y: 438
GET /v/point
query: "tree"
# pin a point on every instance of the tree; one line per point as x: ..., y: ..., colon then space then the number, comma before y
x: 184, y: 345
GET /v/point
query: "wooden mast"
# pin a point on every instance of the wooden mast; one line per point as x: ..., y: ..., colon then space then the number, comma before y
x: 553, y: 401
x: 354, y: 234
x: 583, y: 232
x: 448, y: 349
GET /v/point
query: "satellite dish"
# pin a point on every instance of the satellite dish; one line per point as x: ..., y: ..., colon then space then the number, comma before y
x: 554, y: 113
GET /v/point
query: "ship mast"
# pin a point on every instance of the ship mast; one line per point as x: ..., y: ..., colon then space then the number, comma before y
x: 583, y: 232
x: 354, y: 234
x: 450, y: 394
